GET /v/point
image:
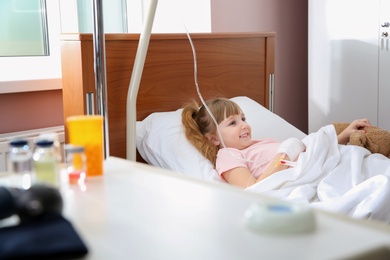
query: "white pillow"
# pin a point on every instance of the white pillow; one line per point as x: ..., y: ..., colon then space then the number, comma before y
x: 161, y: 140
x: 266, y: 124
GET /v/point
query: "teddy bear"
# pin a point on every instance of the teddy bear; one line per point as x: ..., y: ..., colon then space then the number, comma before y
x: 376, y: 140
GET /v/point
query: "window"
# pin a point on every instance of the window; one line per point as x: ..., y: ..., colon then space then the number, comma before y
x: 23, y: 31
x: 33, y: 71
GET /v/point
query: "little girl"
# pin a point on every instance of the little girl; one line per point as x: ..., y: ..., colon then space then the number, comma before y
x: 237, y: 158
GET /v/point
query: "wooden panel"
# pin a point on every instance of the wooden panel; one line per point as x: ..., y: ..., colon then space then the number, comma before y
x: 72, y: 80
x: 228, y: 65
x: 72, y: 76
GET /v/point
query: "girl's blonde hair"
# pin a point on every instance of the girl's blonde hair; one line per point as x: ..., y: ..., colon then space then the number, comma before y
x: 198, y: 122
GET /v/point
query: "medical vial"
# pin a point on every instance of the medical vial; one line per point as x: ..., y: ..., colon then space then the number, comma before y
x: 20, y: 163
x: 75, y: 163
x: 45, y: 162
x: 56, y: 143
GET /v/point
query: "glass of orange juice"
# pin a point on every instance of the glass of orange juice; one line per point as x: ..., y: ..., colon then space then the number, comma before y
x: 87, y: 130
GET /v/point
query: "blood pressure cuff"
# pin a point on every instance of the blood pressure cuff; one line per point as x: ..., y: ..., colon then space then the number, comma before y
x: 50, y: 236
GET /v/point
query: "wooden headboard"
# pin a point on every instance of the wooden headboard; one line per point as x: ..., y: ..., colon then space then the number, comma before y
x: 229, y: 64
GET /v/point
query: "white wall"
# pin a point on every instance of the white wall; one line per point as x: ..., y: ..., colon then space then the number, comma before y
x: 343, y: 61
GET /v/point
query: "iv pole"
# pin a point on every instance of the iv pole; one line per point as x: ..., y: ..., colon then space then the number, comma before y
x: 100, y: 69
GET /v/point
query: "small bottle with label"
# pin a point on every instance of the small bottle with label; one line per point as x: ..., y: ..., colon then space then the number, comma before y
x: 75, y: 163
x: 45, y: 162
x: 20, y: 164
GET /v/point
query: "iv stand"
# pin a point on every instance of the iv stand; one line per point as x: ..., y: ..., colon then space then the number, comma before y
x: 100, y: 69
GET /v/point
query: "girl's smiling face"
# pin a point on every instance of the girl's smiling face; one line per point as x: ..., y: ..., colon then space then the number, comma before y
x: 236, y: 132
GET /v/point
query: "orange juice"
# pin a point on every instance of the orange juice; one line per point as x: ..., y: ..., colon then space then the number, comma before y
x: 87, y: 130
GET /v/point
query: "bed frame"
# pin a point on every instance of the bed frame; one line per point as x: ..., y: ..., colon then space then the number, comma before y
x: 229, y: 64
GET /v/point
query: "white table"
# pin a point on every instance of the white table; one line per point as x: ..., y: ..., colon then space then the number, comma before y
x: 135, y: 211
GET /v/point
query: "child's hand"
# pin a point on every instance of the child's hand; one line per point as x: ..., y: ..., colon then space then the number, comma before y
x: 354, y: 127
x: 292, y: 147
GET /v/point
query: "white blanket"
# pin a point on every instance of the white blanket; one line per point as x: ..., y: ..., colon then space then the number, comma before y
x: 341, y: 178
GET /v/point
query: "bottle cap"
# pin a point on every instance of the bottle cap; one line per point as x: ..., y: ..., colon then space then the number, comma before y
x: 71, y: 148
x: 18, y: 142
x: 44, y: 143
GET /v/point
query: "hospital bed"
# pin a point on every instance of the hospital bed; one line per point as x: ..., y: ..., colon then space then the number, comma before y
x: 233, y: 65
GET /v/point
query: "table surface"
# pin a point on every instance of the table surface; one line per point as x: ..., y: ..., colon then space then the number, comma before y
x: 136, y: 211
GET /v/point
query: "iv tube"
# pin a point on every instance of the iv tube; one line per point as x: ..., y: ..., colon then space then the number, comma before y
x: 198, y: 90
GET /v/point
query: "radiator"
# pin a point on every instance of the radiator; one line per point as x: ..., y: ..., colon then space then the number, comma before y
x: 29, y: 135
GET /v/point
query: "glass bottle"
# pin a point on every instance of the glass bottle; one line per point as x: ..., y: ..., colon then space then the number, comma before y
x: 75, y: 161
x: 20, y: 163
x: 45, y: 162
x: 56, y: 142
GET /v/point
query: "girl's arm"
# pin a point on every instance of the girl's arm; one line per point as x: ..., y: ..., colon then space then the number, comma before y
x: 356, y: 126
x: 274, y: 166
x: 242, y: 177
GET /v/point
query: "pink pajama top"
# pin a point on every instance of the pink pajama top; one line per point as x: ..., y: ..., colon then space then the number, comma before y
x: 255, y: 158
